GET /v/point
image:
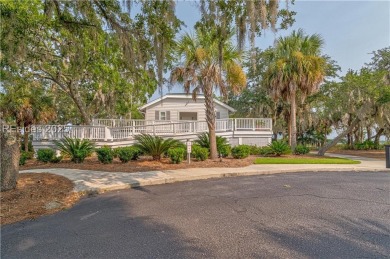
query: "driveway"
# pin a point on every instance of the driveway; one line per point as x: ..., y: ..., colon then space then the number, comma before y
x: 296, y: 215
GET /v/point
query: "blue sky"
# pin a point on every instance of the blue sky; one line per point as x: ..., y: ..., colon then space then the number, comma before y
x: 351, y: 29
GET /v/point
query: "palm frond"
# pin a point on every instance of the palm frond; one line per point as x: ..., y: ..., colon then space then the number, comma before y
x: 76, y: 149
x: 155, y: 146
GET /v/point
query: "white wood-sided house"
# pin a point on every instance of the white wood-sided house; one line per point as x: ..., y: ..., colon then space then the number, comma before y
x: 173, y: 115
x: 182, y: 107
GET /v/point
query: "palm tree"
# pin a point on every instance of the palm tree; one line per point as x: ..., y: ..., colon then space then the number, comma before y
x: 27, y: 103
x: 296, y: 71
x: 204, y: 69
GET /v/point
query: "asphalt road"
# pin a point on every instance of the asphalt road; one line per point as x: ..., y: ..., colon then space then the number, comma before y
x: 305, y: 215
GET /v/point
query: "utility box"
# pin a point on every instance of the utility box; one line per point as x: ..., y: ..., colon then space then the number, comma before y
x: 387, y: 152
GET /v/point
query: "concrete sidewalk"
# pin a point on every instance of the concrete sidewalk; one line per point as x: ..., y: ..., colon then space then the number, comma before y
x: 98, y: 181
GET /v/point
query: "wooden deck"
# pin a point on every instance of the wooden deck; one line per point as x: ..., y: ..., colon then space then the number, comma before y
x: 122, y: 132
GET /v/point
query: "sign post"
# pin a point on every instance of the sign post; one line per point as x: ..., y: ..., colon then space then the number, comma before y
x: 387, y: 152
x: 189, y: 144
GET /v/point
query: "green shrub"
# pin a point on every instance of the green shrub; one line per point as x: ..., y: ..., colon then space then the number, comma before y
x: 366, y: 145
x: 199, y: 153
x: 204, y: 141
x: 30, y: 154
x: 254, y: 150
x: 265, y: 151
x: 279, y: 148
x: 105, y: 154
x: 76, y: 149
x: 80, y: 155
x: 180, y: 145
x: 56, y: 159
x: 176, y: 154
x: 301, y: 150
x: 225, y: 150
x: 23, y: 158
x: 125, y: 154
x: 45, y: 155
x: 155, y: 146
x: 241, y: 151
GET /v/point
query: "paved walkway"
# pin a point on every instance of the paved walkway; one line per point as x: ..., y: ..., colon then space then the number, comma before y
x: 98, y: 181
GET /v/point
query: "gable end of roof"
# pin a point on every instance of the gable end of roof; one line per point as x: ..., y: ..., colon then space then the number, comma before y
x: 183, y: 96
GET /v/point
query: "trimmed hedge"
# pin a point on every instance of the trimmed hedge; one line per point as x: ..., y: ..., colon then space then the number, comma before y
x: 176, y: 155
x: 45, y: 155
x: 105, y: 155
x: 241, y: 151
x: 200, y: 153
x: 125, y: 154
x: 225, y: 150
x: 301, y: 150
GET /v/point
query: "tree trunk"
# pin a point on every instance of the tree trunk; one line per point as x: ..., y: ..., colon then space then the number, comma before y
x: 75, y: 95
x: 210, y: 118
x: 378, y: 137
x: 213, y: 144
x: 355, y: 122
x: 9, y: 161
x: 25, y: 139
x: 350, y: 135
x: 369, y: 132
x: 293, y: 122
x: 358, y: 133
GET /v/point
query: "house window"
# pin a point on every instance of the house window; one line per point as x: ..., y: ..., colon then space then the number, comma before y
x: 217, y: 115
x: 163, y: 116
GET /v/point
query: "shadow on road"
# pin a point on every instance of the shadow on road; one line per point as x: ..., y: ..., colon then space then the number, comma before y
x: 340, y: 237
x: 96, y: 230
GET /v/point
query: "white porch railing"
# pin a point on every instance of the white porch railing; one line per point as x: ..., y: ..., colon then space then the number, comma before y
x: 55, y: 132
x: 134, y: 127
x: 252, y: 124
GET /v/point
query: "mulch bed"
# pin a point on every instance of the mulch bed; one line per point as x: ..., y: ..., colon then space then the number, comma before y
x: 146, y: 164
x: 141, y: 165
x: 36, y: 194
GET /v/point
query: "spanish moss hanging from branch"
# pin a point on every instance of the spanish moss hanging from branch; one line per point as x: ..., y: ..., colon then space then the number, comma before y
x: 248, y: 18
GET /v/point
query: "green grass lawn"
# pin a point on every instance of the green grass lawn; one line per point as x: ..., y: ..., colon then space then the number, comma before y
x: 304, y: 160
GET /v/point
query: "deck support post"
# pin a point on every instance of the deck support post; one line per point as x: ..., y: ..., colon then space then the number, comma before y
x: 107, y: 134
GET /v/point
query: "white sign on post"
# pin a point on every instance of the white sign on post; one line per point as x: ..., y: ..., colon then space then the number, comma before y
x: 189, y: 143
